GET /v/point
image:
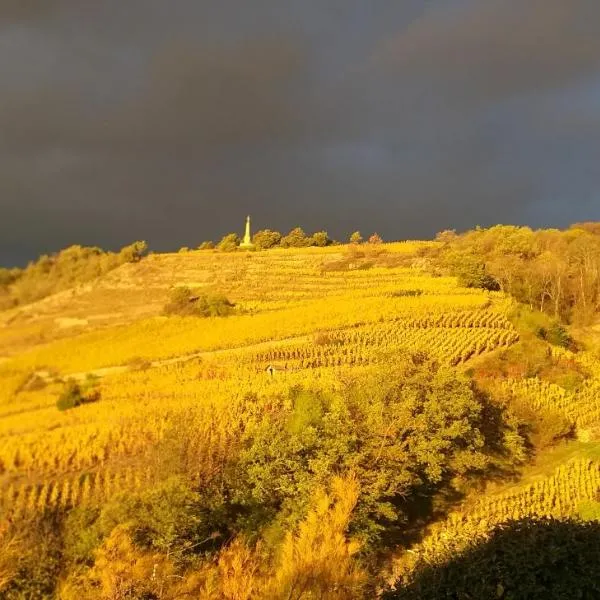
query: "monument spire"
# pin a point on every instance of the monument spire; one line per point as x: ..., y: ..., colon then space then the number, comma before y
x: 247, y: 243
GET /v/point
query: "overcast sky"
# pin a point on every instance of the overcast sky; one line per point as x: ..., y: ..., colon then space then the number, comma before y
x: 169, y: 121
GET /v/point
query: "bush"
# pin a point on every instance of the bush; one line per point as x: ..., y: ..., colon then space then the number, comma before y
x: 229, y: 242
x: 296, y: 238
x: 557, y: 335
x: 184, y: 303
x: 133, y: 252
x: 207, y: 245
x: 266, y: 238
x: 320, y: 239
x: 69, y: 267
x: 36, y: 568
x: 471, y: 273
x: 74, y: 395
x: 356, y: 238
x: 70, y: 397
x: 8, y: 276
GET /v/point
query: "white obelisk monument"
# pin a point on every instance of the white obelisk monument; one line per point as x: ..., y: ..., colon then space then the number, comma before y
x: 247, y: 242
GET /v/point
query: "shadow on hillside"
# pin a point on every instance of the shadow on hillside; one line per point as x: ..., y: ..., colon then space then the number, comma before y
x: 522, y: 560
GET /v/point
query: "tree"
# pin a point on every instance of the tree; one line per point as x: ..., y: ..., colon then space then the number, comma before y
x: 8, y: 276
x: 410, y: 427
x: 134, y: 252
x: 229, y: 242
x: 447, y: 236
x: 185, y: 303
x: 320, y: 238
x: 356, y: 238
x: 265, y: 238
x: 592, y: 227
x: 375, y: 239
x: 296, y: 238
x: 70, y: 397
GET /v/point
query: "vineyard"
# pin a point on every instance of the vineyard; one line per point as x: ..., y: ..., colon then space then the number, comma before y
x: 581, y: 407
x: 308, y: 324
x: 298, y: 323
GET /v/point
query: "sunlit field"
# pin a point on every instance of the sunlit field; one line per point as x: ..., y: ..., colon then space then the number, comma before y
x: 304, y: 319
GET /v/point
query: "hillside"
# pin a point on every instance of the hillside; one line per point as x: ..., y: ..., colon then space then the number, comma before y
x: 339, y: 367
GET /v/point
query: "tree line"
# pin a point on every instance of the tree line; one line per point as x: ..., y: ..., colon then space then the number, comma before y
x: 550, y: 270
x: 69, y: 267
x: 296, y: 238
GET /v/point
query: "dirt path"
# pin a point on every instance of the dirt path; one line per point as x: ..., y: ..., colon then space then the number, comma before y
x: 104, y: 371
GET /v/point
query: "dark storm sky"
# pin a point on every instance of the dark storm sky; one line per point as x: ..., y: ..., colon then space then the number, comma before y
x: 171, y: 120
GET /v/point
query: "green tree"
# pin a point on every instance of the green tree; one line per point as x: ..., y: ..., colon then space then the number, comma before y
x: 229, y: 242
x: 296, y: 238
x: 265, y: 238
x: 414, y: 426
x: 320, y: 239
x: 356, y: 238
x: 134, y: 252
x: 70, y: 397
x: 184, y: 302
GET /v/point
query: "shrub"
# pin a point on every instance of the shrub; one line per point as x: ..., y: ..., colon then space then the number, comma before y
x: 556, y: 335
x: 266, y: 238
x: 207, y: 245
x: 70, y: 397
x: 229, y: 242
x: 183, y: 302
x: 296, y: 238
x: 133, y: 252
x: 74, y: 395
x: 69, y: 267
x: 8, y: 276
x: 356, y: 238
x: 320, y: 239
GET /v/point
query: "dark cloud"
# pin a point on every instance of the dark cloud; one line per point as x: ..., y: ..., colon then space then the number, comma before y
x: 171, y: 121
x: 25, y: 10
x: 497, y: 48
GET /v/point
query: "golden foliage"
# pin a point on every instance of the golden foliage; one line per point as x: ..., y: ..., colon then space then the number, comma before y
x: 122, y: 571
x: 317, y: 560
x: 11, y: 550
